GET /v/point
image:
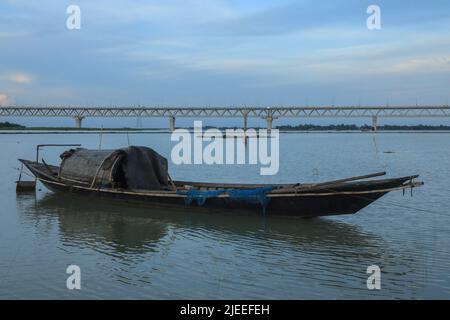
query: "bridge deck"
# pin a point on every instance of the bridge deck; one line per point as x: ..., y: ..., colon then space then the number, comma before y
x: 231, y: 112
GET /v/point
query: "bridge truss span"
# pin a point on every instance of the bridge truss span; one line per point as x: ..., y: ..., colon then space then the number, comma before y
x: 268, y: 113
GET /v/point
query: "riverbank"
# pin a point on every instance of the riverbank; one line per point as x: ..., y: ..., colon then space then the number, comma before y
x: 74, y: 132
x: 12, y: 128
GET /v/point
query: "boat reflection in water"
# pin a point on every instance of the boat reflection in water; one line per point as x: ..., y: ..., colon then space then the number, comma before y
x: 168, y: 254
x: 94, y: 223
x: 132, y: 226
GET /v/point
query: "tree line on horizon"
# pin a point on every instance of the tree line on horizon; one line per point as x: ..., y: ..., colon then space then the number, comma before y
x: 300, y: 127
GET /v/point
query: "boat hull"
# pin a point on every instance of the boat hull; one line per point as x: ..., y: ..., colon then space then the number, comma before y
x: 303, y: 206
x: 339, y: 201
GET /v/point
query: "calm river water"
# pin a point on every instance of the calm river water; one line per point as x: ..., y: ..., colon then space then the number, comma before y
x: 135, y: 252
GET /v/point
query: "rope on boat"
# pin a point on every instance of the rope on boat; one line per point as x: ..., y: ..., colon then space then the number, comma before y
x: 98, y: 171
x: 20, y: 173
x: 23, y: 172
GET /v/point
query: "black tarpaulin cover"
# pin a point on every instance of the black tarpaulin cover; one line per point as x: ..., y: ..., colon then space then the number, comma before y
x: 129, y: 168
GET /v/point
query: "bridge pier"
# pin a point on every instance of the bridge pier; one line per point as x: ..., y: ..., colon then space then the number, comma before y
x: 172, y: 123
x: 245, y: 126
x: 78, y: 121
x: 269, y: 120
x: 245, y: 121
x: 374, y: 122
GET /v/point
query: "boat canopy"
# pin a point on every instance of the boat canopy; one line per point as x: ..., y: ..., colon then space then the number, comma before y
x: 134, y: 167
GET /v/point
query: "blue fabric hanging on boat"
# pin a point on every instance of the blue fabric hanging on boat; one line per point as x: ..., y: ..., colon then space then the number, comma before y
x: 258, y: 195
x: 199, y: 195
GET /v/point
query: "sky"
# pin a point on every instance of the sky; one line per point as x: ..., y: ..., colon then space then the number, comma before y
x: 224, y: 52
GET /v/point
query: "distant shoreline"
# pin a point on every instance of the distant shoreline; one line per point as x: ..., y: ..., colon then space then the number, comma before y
x: 153, y: 131
x: 12, y: 128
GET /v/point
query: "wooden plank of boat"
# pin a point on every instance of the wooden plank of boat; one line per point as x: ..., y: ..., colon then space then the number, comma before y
x: 332, y: 186
x: 330, y: 192
x: 296, y: 187
x: 196, y: 184
x: 324, y: 185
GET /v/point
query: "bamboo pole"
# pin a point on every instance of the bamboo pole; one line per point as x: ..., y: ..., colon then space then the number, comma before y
x: 331, y: 183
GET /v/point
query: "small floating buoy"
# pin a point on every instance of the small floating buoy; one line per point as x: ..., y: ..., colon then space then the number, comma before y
x: 25, y: 186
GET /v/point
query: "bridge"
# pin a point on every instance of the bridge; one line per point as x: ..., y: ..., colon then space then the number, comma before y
x: 268, y: 113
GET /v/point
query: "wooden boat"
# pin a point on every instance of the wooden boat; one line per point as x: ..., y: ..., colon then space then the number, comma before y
x: 138, y: 174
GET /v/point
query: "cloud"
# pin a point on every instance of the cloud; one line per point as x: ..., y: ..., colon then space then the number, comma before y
x: 117, y: 12
x: 21, y: 78
x: 217, y: 49
x: 5, y: 100
x: 425, y: 64
x: 12, y: 34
